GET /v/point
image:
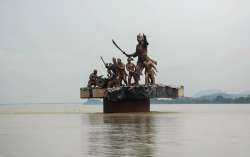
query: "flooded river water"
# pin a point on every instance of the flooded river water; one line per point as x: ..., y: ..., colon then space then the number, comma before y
x: 63, y: 130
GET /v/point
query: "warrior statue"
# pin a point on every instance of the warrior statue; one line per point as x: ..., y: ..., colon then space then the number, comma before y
x: 131, y: 71
x: 149, y: 72
x: 122, y: 75
x: 142, y: 54
x: 93, y: 79
x: 112, y: 73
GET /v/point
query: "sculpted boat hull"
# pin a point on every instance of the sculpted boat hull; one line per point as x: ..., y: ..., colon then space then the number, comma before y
x: 131, y: 98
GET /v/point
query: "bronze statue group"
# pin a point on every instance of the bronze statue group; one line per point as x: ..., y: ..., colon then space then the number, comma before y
x: 119, y: 73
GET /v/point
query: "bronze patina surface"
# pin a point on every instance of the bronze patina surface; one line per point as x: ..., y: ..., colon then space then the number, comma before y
x: 118, y: 91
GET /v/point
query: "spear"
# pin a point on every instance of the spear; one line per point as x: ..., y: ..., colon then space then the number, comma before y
x: 103, y: 60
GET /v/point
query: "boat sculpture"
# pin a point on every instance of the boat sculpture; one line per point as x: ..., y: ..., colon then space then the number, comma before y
x: 119, y: 93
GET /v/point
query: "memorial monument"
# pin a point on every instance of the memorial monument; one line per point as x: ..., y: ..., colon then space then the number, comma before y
x: 117, y: 90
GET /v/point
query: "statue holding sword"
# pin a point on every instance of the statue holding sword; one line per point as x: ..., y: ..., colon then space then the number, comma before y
x: 142, y: 54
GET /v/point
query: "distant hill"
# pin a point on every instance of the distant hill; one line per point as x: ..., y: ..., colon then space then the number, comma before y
x: 212, y: 94
x: 245, y: 93
x: 208, y: 97
x: 208, y: 92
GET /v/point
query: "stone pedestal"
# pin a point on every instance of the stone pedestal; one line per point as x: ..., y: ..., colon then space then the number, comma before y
x: 126, y: 106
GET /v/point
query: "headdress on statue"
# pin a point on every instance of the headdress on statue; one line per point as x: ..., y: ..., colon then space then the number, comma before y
x: 140, y: 37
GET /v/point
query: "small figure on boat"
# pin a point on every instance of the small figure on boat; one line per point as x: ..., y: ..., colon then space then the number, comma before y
x: 122, y: 74
x: 92, y: 83
x: 112, y: 73
x: 150, y: 72
x: 131, y: 71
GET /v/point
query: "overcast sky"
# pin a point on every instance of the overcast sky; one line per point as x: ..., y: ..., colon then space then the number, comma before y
x: 49, y: 47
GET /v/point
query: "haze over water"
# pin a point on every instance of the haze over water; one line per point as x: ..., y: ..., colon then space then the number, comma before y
x: 63, y: 130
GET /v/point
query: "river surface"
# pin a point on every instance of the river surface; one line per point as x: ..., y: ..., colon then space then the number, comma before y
x: 71, y: 130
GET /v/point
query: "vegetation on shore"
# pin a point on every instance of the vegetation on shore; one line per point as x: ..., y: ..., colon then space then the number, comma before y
x: 201, y: 100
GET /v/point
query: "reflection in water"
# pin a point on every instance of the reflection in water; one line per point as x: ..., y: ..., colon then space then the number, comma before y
x: 124, y: 134
x: 127, y: 134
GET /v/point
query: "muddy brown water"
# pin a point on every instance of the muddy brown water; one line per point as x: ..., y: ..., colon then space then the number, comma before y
x: 63, y: 130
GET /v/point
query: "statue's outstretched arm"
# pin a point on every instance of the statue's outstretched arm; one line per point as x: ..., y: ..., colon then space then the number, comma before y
x: 132, y: 55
